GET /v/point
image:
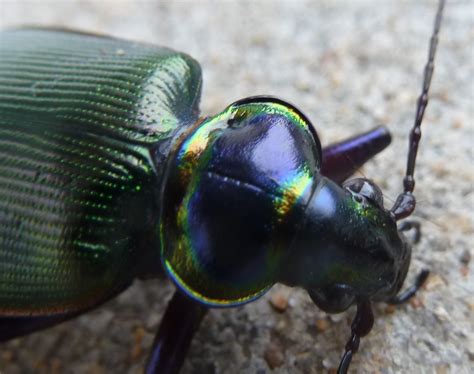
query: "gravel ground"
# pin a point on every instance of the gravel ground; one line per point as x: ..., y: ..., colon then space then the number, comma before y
x: 349, y: 66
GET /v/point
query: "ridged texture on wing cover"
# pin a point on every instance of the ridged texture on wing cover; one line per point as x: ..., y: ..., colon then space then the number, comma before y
x: 78, y: 189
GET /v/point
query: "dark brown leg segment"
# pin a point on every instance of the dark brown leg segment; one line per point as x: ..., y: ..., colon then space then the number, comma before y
x: 361, y: 326
x: 341, y: 160
x: 178, y: 326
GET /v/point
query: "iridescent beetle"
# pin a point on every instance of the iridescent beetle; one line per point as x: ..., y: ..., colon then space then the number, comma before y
x: 107, y: 173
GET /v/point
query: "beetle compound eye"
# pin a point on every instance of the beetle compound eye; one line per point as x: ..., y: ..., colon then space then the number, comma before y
x: 366, y: 188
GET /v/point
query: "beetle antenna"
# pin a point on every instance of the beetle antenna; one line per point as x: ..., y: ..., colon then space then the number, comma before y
x: 405, y: 203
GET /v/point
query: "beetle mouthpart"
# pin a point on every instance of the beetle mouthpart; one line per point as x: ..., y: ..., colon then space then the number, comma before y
x: 333, y: 298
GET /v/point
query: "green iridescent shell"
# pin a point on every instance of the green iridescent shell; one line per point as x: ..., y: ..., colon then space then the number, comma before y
x: 82, y: 120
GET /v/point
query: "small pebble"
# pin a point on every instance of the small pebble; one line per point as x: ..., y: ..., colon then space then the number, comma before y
x: 279, y: 302
x: 337, y: 317
x: 7, y: 355
x: 55, y: 365
x: 274, y: 355
x: 440, y: 170
x: 442, y: 369
x: 328, y: 363
x: 434, y: 281
x: 441, y: 313
x: 443, y: 95
x: 281, y: 326
x: 416, y: 303
x: 322, y: 324
x: 137, y: 349
x: 471, y: 306
x: 292, y: 302
x: 457, y: 124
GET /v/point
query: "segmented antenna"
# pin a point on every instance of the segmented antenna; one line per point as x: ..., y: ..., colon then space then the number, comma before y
x: 405, y: 203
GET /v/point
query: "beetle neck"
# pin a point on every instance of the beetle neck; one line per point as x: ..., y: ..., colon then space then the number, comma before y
x: 314, y: 243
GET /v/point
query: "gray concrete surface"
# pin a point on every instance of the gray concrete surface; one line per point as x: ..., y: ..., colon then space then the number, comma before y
x: 350, y: 65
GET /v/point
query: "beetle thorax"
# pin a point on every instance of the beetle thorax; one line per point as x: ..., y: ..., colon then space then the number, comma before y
x: 235, y: 193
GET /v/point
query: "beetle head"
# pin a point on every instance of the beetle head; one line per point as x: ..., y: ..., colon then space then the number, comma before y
x: 234, y: 194
x: 349, y: 247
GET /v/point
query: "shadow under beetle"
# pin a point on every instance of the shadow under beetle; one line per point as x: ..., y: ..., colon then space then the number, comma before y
x: 107, y: 174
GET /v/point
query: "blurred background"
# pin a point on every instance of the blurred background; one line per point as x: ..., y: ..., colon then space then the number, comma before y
x: 349, y: 65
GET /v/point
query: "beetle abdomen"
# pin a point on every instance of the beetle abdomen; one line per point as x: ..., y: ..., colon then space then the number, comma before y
x: 80, y: 118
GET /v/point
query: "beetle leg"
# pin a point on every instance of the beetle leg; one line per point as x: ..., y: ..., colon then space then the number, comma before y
x: 361, y: 326
x: 410, y: 291
x: 411, y: 225
x: 342, y: 159
x: 181, y: 320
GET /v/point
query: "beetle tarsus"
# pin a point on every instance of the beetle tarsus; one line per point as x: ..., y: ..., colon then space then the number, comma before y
x: 361, y: 326
x: 410, y: 291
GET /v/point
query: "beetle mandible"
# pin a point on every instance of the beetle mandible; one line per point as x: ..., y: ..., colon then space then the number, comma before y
x: 97, y: 177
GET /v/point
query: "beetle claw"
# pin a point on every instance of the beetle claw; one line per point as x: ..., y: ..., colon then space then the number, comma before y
x: 410, y: 291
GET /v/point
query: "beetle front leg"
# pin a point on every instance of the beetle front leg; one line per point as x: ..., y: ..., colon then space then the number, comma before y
x: 361, y: 326
x: 410, y: 291
x: 178, y: 326
x: 422, y: 276
x: 342, y: 159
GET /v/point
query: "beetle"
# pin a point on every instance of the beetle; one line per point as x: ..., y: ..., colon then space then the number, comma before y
x: 85, y: 187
